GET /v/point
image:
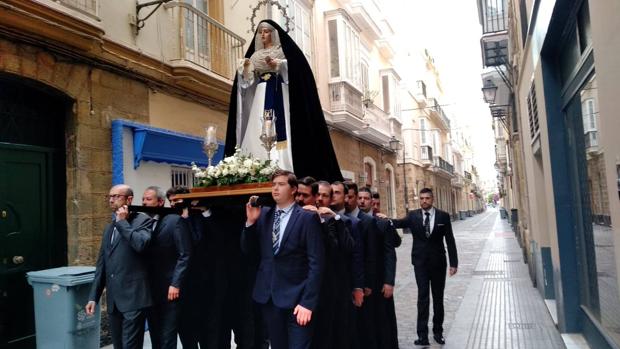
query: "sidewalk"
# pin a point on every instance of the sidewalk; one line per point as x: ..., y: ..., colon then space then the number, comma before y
x: 490, y: 302
x: 501, y: 308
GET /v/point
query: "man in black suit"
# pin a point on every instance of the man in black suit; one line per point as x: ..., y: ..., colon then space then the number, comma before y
x: 192, y: 304
x: 288, y: 240
x: 333, y: 320
x: 368, y: 232
x: 429, y: 227
x: 386, y: 240
x: 122, y: 270
x: 169, y: 255
x: 338, y: 204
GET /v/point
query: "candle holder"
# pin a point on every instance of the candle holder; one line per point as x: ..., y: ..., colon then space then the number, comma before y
x: 268, y: 135
x: 210, y: 145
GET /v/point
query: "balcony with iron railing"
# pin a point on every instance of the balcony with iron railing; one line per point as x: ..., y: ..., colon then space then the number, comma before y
x: 467, y: 175
x: 442, y: 164
x: 494, y: 16
x: 206, y: 42
x: 426, y: 155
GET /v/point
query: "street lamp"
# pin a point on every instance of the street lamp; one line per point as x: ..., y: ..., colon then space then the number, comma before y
x: 394, y: 146
x: 489, y: 91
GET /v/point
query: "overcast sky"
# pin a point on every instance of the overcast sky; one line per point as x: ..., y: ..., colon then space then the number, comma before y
x: 450, y: 30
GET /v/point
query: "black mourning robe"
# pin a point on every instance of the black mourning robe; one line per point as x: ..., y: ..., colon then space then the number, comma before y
x: 311, y: 146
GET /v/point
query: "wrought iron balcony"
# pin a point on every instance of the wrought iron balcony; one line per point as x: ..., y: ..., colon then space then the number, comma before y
x: 442, y: 164
x: 494, y: 16
x: 467, y: 175
x: 206, y: 42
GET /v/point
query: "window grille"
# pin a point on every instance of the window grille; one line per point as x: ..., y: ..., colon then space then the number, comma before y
x: 532, y: 110
x: 182, y: 176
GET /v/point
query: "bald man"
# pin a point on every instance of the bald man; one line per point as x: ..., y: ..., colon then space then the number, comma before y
x: 122, y: 270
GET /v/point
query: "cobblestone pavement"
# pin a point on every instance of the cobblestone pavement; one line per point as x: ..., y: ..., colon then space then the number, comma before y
x: 490, y: 302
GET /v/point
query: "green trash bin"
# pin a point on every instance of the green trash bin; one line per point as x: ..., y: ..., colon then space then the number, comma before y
x: 60, y: 295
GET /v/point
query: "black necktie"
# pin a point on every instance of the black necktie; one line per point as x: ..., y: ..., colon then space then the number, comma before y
x: 427, y: 224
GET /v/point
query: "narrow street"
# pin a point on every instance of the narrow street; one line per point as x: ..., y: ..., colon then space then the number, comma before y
x: 490, y: 302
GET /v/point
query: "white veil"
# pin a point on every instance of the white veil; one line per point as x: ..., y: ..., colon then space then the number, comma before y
x: 275, y: 38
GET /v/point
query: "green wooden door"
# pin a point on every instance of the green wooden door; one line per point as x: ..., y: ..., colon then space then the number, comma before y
x: 24, y: 236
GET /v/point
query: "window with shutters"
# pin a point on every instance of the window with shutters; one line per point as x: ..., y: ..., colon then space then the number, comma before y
x: 532, y: 111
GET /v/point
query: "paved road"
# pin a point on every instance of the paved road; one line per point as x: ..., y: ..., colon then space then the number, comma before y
x: 490, y: 302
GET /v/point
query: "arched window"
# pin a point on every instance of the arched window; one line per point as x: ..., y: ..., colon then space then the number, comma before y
x: 370, y: 171
x: 390, y: 190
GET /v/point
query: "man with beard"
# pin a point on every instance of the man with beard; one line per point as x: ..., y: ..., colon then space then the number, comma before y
x: 386, y: 239
x: 169, y: 256
x: 369, y: 334
x: 429, y: 227
x: 333, y: 313
x: 307, y: 190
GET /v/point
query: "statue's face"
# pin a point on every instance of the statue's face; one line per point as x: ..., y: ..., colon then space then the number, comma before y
x: 265, y: 36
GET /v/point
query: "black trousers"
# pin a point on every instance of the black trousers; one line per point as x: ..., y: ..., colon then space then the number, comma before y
x: 127, y: 329
x: 430, y: 277
x: 367, y: 330
x: 163, y: 322
x: 284, y: 331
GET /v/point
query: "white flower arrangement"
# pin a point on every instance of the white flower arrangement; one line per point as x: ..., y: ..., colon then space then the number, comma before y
x: 235, y: 169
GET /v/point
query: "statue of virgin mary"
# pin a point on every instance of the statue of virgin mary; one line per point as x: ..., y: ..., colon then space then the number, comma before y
x: 275, y: 77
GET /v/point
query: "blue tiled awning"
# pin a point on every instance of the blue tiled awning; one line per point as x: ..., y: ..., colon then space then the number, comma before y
x: 161, y: 146
x: 156, y: 144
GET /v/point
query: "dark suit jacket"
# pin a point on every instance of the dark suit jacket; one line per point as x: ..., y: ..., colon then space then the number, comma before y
x: 386, y: 242
x: 339, y: 246
x: 169, y: 255
x: 430, y: 250
x: 368, y: 230
x: 357, y: 254
x: 122, y: 266
x: 293, y: 275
